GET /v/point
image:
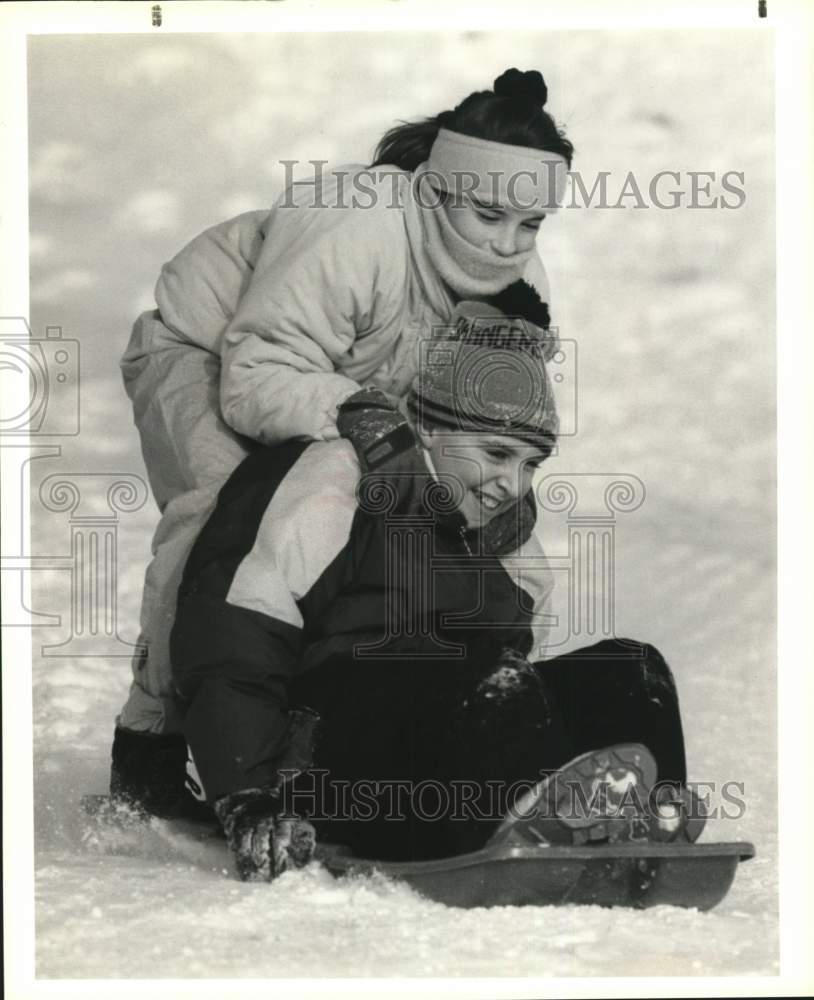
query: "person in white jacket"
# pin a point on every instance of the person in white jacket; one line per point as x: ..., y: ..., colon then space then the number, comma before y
x: 266, y: 323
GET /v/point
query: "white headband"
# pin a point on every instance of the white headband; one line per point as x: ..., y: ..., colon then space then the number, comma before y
x: 494, y: 172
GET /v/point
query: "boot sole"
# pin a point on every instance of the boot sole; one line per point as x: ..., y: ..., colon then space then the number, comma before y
x: 599, y: 796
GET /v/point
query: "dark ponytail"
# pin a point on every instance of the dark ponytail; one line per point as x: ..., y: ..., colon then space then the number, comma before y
x: 511, y: 113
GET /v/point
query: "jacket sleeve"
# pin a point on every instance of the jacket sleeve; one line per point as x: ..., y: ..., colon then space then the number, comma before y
x: 530, y: 568
x: 238, y: 635
x: 327, y: 278
x: 198, y: 291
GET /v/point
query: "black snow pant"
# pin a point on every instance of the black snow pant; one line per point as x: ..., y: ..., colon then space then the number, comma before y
x: 422, y: 759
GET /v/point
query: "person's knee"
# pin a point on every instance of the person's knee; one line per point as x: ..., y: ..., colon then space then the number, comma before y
x: 653, y: 670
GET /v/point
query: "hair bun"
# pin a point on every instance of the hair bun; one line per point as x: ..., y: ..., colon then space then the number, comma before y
x: 523, y: 86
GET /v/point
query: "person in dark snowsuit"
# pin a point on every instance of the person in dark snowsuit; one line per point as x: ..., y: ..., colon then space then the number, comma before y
x: 357, y: 582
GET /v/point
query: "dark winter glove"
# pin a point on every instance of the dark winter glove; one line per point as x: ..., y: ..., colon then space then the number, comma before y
x: 378, y: 431
x: 264, y: 845
x: 511, y: 678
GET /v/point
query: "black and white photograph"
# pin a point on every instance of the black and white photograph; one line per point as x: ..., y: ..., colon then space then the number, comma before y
x: 390, y: 499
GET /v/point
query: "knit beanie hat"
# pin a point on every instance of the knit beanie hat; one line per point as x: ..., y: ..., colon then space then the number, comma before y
x: 486, y: 373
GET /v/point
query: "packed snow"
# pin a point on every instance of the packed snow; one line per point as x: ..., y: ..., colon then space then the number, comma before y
x: 137, y: 144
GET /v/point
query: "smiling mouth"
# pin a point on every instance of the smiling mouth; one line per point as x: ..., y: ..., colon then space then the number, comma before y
x: 487, y: 501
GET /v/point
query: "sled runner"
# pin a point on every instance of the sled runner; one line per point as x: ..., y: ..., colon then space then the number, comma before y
x: 636, y: 874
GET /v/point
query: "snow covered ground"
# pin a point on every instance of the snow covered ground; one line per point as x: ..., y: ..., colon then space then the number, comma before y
x: 136, y: 144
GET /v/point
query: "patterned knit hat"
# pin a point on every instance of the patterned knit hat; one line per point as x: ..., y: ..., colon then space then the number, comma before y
x: 486, y: 373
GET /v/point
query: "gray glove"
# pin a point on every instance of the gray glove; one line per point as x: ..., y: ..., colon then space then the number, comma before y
x: 263, y: 845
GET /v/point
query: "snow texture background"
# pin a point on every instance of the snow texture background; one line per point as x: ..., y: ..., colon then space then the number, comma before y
x: 138, y: 143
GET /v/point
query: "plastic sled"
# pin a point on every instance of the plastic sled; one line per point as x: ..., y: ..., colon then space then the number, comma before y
x: 636, y: 875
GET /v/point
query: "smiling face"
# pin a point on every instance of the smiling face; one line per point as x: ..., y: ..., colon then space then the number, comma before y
x: 491, y: 470
x: 499, y: 229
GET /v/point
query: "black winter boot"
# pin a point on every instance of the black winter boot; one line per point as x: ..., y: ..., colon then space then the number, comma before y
x: 148, y: 774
